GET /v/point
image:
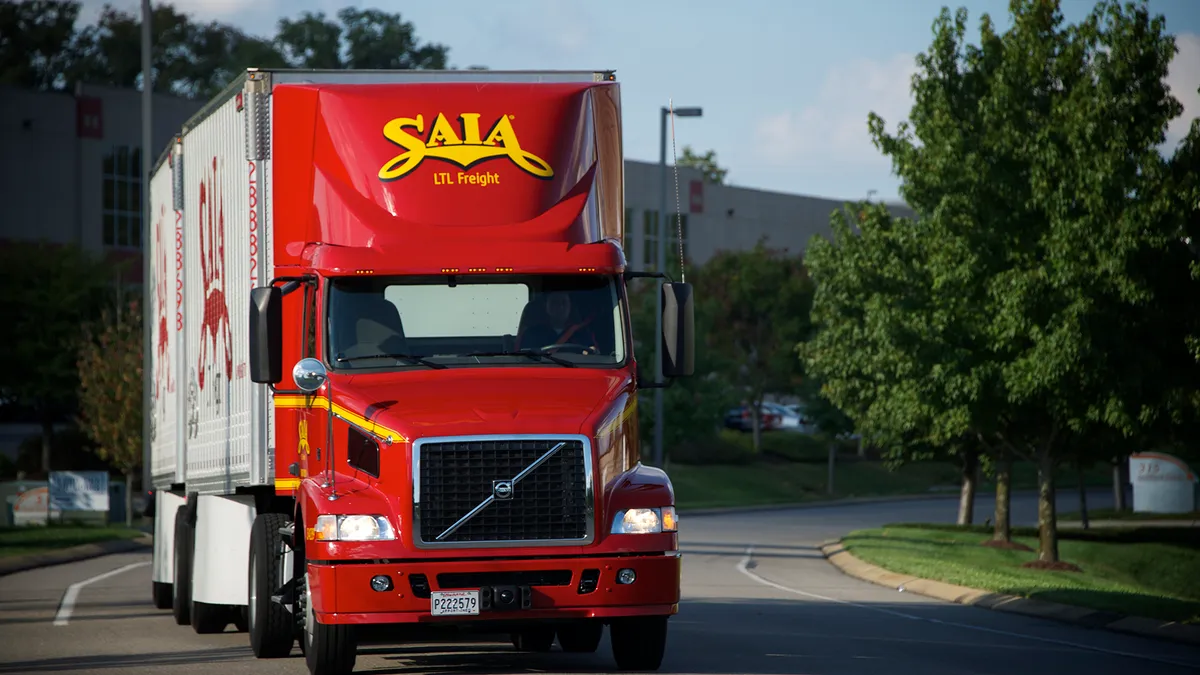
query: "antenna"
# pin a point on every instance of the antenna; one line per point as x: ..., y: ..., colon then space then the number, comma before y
x: 678, y: 207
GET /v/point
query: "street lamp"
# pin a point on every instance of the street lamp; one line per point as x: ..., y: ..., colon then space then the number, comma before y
x: 661, y: 265
x: 147, y: 321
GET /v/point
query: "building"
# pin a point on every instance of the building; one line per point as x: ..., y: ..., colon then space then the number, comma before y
x: 71, y: 173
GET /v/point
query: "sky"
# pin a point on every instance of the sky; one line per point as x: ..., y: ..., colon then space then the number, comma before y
x: 785, y: 85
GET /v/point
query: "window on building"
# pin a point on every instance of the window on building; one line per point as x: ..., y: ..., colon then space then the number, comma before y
x: 123, y: 197
x: 649, y: 239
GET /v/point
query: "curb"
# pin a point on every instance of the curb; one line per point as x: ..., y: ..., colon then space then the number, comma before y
x: 22, y: 563
x: 842, y: 559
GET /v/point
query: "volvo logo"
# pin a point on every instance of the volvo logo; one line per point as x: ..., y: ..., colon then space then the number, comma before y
x: 502, y: 489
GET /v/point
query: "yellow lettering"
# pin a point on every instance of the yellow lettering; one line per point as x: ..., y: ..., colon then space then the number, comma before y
x: 445, y: 143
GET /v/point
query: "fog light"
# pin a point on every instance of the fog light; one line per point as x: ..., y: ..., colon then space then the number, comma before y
x: 381, y: 583
x: 626, y: 576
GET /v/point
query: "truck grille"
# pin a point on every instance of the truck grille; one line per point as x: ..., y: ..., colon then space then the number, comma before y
x: 456, y: 477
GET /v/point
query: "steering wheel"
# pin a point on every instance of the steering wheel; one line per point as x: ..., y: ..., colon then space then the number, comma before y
x: 585, y: 349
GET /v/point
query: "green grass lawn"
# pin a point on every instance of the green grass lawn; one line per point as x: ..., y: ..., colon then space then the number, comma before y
x: 763, y: 483
x: 1148, y: 572
x: 25, y: 540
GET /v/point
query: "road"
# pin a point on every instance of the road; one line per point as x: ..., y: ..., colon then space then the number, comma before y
x: 779, y: 609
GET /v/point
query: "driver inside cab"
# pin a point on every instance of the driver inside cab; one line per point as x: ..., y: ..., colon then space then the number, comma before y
x: 558, y: 325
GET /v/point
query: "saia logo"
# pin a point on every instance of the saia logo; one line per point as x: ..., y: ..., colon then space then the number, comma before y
x: 466, y: 150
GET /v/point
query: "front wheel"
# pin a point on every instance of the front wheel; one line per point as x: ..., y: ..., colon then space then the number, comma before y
x: 638, y: 643
x: 271, y: 627
x: 330, y: 649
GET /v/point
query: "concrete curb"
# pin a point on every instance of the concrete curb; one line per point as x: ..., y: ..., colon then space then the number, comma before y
x: 842, y: 559
x: 22, y: 563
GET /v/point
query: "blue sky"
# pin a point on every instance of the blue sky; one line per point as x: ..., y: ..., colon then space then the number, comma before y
x: 786, y: 85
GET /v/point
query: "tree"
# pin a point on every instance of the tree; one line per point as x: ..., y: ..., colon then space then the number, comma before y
x: 706, y: 163
x: 110, y: 392
x: 1037, y: 161
x: 37, y: 42
x: 50, y: 291
x: 692, y: 406
x: 760, y: 306
x: 365, y: 38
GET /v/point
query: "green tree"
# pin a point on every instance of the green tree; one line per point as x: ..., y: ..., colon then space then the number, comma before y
x: 110, y: 392
x: 50, y: 291
x: 37, y: 43
x: 760, y: 309
x: 1032, y: 161
x: 706, y: 163
x: 360, y: 39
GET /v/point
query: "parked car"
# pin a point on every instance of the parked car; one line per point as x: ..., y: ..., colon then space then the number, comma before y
x: 740, y: 418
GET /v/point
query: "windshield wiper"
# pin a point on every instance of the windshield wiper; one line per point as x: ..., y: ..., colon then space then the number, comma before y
x: 535, y: 355
x: 407, y: 357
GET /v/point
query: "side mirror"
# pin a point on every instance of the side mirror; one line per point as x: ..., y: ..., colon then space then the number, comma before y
x: 266, y: 335
x: 678, y: 330
x: 309, y: 374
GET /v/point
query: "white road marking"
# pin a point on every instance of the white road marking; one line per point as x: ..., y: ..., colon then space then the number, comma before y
x: 743, y: 567
x: 67, y: 605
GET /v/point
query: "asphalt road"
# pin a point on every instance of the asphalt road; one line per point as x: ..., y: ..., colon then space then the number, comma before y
x: 778, y: 609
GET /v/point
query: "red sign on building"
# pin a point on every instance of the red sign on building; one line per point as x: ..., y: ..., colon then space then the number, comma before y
x: 696, y: 196
x: 89, y: 117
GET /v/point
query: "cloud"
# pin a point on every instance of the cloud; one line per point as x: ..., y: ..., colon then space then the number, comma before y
x: 1184, y: 80
x: 834, y: 126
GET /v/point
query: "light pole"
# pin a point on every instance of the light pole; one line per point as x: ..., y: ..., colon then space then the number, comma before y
x: 147, y: 320
x: 660, y: 267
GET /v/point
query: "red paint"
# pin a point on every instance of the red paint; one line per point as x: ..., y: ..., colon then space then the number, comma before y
x: 162, y: 375
x: 215, y: 324
x: 696, y: 196
x: 89, y: 117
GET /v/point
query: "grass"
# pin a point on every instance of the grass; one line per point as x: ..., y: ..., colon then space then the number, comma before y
x: 1110, y: 514
x: 764, y: 483
x: 16, y: 541
x: 1148, y: 572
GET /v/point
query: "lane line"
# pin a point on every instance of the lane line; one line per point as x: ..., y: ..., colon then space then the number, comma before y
x: 67, y: 604
x: 748, y: 557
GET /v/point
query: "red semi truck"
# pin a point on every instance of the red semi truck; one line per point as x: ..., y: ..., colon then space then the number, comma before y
x: 436, y: 258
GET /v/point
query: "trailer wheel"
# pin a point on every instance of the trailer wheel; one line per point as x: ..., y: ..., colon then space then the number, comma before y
x: 638, y: 642
x: 272, y: 629
x: 331, y: 649
x: 580, y: 637
x: 162, y: 594
x: 533, y: 639
x: 181, y: 602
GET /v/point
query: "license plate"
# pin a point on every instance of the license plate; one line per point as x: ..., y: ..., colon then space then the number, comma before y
x: 454, y: 603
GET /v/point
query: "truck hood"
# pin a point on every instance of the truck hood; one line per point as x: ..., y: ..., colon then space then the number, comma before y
x: 470, y: 401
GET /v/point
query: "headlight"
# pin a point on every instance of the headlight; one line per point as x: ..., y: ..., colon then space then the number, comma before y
x: 353, y: 528
x: 645, y: 521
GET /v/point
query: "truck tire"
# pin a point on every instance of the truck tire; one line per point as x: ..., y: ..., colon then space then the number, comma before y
x: 331, y: 649
x: 638, y: 642
x: 272, y: 627
x: 534, y: 639
x: 580, y: 637
x: 181, y: 602
x: 162, y: 594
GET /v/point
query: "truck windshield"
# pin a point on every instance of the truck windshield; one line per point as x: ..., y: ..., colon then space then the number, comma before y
x: 434, y: 322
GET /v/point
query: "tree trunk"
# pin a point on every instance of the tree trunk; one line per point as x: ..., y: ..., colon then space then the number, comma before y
x: 1119, y: 483
x: 1047, y: 512
x: 1003, y: 527
x: 128, y: 499
x: 47, y: 440
x: 1083, y: 507
x: 970, y: 475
